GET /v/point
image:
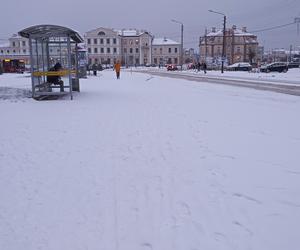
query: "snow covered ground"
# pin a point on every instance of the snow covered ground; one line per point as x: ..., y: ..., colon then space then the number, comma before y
x: 149, y: 163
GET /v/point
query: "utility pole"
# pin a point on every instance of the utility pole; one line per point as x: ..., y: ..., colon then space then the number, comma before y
x: 205, y: 44
x: 181, y: 46
x: 224, y: 45
x: 181, y: 54
x: 224, y: 38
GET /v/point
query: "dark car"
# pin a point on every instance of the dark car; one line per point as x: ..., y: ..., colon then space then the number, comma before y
x: 292, y: 65
x: 241, y: 66
x: 172, y: 67
x: 274, y: 67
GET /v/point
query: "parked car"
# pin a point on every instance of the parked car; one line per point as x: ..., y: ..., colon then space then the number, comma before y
x: 274, y: 67
x: 293, y: 65
x: 172, y: 67
x: 241, y: 66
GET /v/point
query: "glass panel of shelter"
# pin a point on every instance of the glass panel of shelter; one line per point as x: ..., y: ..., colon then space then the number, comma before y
x: 46, y: 53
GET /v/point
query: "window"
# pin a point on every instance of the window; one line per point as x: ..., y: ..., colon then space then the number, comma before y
x: 155, y: 60
x: 114, y: 41
x: 95, y: 50
x: 160, y: 50
x: 108, y: 60
x: 176, y: 60
x: 137, y: 61
x: 170, y: 50
x: 89, y: 41
x: 101, y: 41
x: 130, y: 50
x: 107, y: 41
x: 14, y: 51
x: 96, y: 60
x: 102, y: 50
x: 130, y: 42
x: 176, y: 50
x: 169, y: 60
x: 14, y: 44
x: 115, y: 50
x: 238, y: 49
x: 136, y: 50
x: 1, y: 51
x: 95, y: 41
x: 23, y: 43
x: 89, y: 50
x: 108, y: 50
x: 24, y: 51
x: 137, y: 42
x: 101, y: 33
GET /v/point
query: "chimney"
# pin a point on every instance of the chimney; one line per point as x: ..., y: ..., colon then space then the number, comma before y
x: 244, y: 29
x: 213, y: 29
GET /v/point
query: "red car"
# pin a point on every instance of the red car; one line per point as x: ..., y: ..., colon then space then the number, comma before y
x: 172, y: 67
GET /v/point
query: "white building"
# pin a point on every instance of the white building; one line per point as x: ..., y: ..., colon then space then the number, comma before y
x: 16, y: 48
x: 136, y: 47
x: 165, y: 51
x: 103, y: 46
x: 106, y: 46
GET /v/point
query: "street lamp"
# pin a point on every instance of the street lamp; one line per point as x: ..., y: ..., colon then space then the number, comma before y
x: 224, y: 36
x: 181, y: 54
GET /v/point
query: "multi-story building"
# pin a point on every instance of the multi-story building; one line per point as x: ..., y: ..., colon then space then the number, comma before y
x: 240, y: 45
x: 165, y: 51
x: 136, y: 47
x: 103, y: 46
x: 106, y: 46
x: 16, y: 48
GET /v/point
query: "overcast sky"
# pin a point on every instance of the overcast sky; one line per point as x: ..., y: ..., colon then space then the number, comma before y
x: 155, y: 16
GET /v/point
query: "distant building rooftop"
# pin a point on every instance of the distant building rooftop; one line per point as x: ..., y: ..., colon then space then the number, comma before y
x: 164, y: 41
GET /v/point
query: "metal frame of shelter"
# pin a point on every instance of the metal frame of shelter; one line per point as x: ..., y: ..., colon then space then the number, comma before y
x: 50, y: 44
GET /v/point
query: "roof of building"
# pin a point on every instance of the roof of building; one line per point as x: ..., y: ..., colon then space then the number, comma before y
x: 131, y: 32
x: 164, y: 41
x: 46, y: 31
x: 237, y: 32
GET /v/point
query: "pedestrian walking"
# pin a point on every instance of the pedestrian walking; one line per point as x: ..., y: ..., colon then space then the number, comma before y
x: 117, y: 68
x: 95, y: 67
x: 198, y: 66
x: 204, y: 67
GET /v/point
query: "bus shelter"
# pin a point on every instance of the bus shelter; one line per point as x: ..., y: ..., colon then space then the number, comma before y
x: 52, y: 46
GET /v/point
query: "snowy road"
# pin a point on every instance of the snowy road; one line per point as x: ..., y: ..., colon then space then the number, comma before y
x: 149, y: 163
x: 284, y: 86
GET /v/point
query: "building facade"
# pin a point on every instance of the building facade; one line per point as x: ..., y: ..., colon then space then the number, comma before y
x: 16, y: 48
x: 165, y: 51
x: 136, y: 47
x: 106, y: 46
x: 103, y: 46
x: 240, y: 46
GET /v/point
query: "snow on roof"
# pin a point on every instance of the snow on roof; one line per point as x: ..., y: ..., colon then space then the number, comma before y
x: 237, y: 32
x: 164, y: 41
x: 130, y: 32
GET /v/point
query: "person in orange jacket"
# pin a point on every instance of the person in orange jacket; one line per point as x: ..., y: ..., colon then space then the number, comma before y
x: 117, y: 68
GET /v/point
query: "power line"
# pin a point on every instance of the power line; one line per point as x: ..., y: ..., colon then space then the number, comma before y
x: 273, y: 28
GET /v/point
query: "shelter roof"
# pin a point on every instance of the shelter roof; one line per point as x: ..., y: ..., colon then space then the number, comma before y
x: 46, y: 31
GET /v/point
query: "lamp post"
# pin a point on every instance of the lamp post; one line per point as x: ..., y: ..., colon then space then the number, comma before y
x: 224, y: 36
x: 181, y: 54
